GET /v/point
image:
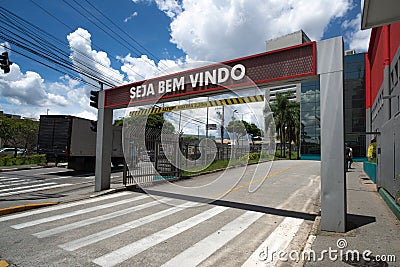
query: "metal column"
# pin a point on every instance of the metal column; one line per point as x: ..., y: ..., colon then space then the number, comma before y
x: 103, y: 146
x: 333, y: 182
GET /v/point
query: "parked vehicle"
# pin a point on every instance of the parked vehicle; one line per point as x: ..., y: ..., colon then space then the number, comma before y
x: 72, y: 139
x: 11, y: 151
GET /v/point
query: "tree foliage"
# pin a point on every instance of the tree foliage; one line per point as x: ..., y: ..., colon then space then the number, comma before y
x: 237, y: 127
x: 152, y: 121
x: 19, y: 133
x: 287, y: 121
x: 253, y: 131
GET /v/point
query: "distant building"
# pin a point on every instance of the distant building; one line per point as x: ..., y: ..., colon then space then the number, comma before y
x: 354, y: 105
x: 13, y: 116
x: 291, y: 39
x: 308, y: 94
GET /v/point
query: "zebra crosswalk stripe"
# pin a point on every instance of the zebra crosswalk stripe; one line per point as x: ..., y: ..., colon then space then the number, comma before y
x: 278, y: 240
x: 77, y: 212
x: 206, y: 247
x: 12, y: 183
x: 25, y: 187
x: 96, y: 237
x: 62, y: 206
x: 120, y: 255
x: 97, y: 219
x: 5, y: 179
x: 32, y: 190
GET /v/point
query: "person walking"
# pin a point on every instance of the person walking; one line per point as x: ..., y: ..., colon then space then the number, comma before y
x: 346, y: 156
x: 350, y: 156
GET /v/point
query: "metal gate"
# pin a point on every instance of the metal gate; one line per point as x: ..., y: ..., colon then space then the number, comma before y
x: 151, y: 159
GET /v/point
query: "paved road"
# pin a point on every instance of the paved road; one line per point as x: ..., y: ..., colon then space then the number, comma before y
x: 173, y: 226
x: 44, y: 184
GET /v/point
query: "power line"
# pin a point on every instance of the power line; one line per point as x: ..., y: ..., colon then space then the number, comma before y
x: 130, y: 37
x: 51, y: 67
x: 121, y: 40
x: 39, y: 45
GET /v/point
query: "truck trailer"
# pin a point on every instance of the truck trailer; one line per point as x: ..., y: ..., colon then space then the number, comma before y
x: 65, y: 138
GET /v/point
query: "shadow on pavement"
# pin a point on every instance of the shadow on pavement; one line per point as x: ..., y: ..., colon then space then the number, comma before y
x: 230, y: 204
x: 355, y: 221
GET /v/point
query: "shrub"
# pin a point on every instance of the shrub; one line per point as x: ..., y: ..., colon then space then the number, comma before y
x: 10, y: 160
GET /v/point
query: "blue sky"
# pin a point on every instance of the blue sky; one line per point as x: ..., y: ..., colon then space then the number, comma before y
x: 172, y: 33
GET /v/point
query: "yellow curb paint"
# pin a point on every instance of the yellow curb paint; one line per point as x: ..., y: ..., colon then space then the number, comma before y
x: 255, y: 181
x: 19, y: 208
x: 3, y: 263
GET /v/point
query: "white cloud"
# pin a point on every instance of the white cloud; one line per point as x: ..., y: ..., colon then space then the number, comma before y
x: 220, y: 30
x: 356, y: 38
x: 134, y: 14
x: 171, y: 7
x: 20, y: 88
x: 142, y: 68
x: 86, y: 59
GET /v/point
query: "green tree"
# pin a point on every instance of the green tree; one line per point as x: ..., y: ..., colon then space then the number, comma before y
x: 279, y: 108
x: 237, y: 127
x: 19, y: 133
x: 152, y: 121
x: 252, y: 130
x: 293, y: 126
x: 287, y: 121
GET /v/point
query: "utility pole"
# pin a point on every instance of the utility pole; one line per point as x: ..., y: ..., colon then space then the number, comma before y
x: 222, y: 125
x: 207, y: 123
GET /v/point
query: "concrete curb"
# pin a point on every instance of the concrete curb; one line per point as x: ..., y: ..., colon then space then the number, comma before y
x: 24, y: 207
x: 390, y: 202
x: 23, y: 167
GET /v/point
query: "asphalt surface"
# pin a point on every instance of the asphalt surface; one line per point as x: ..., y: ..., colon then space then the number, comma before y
x: 38, y: 185
x: 241, y: 216
x: 223, y: 219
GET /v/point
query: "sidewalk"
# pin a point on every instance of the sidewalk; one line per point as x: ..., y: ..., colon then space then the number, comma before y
x: 371, y: 227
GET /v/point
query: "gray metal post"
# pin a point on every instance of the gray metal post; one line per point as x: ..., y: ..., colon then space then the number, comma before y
x: 333, y: 182
x: 103, y: 146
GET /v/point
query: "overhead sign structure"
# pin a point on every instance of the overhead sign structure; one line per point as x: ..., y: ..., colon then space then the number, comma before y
x: 285, y: 66
x: 288, y: 64
x: 206, y: 104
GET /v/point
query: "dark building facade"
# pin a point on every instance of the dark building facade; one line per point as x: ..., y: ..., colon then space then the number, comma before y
x: 354, y: 98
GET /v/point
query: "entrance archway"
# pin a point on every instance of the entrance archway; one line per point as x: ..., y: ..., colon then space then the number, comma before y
x: 310, y: 61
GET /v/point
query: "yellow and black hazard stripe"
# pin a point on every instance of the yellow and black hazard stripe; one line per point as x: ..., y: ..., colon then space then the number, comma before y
x: 211, y: 103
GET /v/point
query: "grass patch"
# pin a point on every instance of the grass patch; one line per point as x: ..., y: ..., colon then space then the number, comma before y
x: 10, y: 160
x: 223, y: 164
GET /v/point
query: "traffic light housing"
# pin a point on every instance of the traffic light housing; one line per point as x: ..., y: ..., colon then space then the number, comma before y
x: 93, y: 126
x: 5, y: 62
x: 94, y: 99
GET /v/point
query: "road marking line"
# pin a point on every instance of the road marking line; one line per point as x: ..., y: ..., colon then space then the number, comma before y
x: 282, y: 236
x: 96, y: 237
x: 129, y: 251
x: 255, y: 181
x: 206, y: 247
x: 33, y: 190
x: 278, y: 240
x: 25, y: 187
x: 63, y: 206
x: 5, y: 179
x: 76, y: 212
x: 97, y: 219
x: 12, y: 183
